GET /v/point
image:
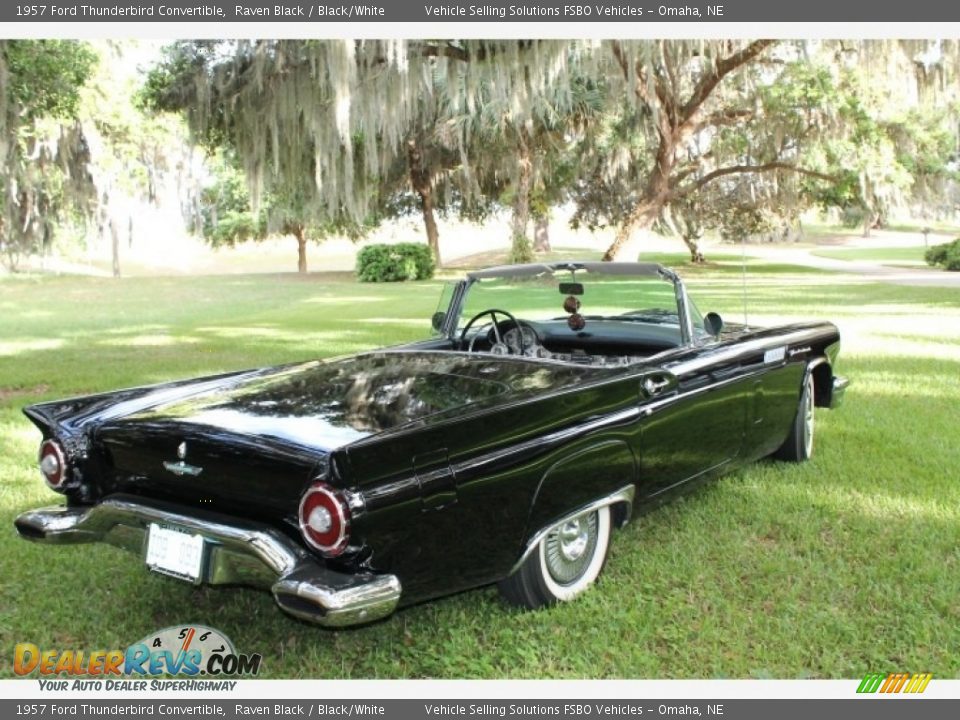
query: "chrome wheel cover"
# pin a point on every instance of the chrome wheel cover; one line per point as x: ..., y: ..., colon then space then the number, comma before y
x: 569, y: 548
x: 808, y: 420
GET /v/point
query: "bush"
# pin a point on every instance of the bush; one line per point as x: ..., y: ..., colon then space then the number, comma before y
x: 853, y: 216
x: 947, y: 255
x: 394, y: 263
x: 521, y: 251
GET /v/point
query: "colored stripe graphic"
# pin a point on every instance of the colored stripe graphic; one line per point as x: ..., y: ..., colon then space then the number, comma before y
x: 922, y: 682
x: 871, y: 682
x: 901, y: 680
x: 894, y: 683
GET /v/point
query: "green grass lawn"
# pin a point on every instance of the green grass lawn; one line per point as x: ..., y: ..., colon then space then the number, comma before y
x: 728, y: 265
x: 814, y: 230
x: 847, y: 564
x: 885, y: 255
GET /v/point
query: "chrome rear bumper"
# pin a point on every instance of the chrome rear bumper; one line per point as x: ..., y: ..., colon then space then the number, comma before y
x: 239, y: 552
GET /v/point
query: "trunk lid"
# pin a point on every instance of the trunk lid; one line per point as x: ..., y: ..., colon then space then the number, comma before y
x: 249, y: 444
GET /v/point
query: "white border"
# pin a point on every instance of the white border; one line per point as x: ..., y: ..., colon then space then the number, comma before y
x: 494, y: 690
x: 548, y: 30
x: 368, y: 690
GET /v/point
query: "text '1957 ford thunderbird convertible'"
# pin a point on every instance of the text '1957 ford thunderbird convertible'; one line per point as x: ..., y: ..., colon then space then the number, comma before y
x: 551, y: 402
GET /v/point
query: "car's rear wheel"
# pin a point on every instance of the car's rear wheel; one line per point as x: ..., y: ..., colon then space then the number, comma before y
x: 565, y: 562
x: 798, y: 446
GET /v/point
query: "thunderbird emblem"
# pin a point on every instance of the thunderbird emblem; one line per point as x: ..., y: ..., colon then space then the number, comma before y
x: 181, y: 468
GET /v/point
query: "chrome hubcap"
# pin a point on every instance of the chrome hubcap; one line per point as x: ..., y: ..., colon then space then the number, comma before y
x: 569, y: 548
x: 573, y: 540
x: 808, y: 419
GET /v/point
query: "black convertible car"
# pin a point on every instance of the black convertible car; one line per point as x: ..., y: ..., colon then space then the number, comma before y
x: 552, y: 401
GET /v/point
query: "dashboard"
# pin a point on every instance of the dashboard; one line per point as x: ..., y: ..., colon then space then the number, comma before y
x: 601, y: 342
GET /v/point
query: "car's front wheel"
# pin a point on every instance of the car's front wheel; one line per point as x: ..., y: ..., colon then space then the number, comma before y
x: 798, y: 446
x: 565, y: 562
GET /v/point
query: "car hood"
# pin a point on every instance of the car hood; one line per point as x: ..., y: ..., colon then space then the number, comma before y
x: 325, y: 405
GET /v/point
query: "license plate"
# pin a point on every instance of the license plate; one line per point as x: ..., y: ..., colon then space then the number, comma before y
x: 176, y: 553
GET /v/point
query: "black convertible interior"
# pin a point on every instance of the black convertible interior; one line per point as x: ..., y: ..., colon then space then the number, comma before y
x: 597, y: 340
x: 590, y: 313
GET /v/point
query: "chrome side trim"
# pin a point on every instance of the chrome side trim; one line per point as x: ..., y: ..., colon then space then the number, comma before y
x: 555, y: 438
x: 652, y: 406
x: 735, y: 351
x: 623, y: 495
x: 240, y: 552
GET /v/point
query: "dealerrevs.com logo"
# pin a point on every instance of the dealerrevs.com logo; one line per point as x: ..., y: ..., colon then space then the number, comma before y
x: 180, y: 650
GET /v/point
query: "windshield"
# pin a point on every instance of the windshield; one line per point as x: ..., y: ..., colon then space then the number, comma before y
x: 584, y: 312
x: 556, y: 296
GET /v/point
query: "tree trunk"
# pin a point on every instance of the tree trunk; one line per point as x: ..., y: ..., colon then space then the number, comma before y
x: 420, y: 181
x: 521, y: 251
x: 430, y: 224
x: 541, y: 234
x: 115, y: 248
x: 641, y: 217
x: 656, y: 191
x: 696, y: 255
x: 299, y: 232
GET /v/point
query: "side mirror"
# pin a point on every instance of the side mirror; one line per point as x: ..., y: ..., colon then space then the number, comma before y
x: 437, y: 320
x: 713, y: 324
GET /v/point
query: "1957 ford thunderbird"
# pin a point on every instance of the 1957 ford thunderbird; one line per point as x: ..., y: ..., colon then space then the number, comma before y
x: 551, y: 402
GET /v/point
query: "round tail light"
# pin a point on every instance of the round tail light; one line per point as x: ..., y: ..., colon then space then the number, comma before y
x: 53, y: 464
x: 325, y: 519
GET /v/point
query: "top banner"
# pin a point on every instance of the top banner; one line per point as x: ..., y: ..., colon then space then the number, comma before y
x: 425, y: 11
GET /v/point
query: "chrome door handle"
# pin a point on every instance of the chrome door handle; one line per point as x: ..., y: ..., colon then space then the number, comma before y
x: 654, y: 387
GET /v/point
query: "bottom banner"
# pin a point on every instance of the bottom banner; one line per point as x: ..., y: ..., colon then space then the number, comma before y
x: 874, y: 708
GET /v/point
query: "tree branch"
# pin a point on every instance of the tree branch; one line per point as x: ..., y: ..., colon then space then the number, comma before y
x: 457, y: 52
x: 640, y: 86
x: 452, y: 52
x: 743, y: 169
x: 668, y: 98
x: 722, y: 118
x: 722, y: 68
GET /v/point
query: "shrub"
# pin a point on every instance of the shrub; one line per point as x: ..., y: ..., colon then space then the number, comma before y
x: 521, y: 251
x: 853, y: 216
x: 947, y: 255
x: 394, y: 263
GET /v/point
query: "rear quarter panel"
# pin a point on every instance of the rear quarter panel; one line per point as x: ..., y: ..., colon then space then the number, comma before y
x: 512, y: 469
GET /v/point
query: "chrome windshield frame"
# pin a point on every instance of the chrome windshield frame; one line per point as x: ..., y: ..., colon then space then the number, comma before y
x: 652, y: 270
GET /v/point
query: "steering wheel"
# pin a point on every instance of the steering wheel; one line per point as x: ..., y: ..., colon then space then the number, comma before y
x: 492, y: 312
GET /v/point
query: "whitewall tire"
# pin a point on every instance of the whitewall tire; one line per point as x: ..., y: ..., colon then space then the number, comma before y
x: 566, y: 561
x: 798, y: 447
